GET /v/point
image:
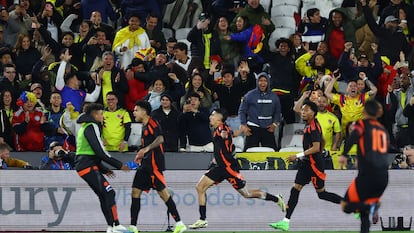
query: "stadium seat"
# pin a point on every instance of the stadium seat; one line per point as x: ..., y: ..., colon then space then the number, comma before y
x: 260, y: 149
x: 181, y: 33
x: 168, y: 33
x: 291, y: 149
x: 135, y: 136
x: 291, y: 129
x: 287, y: 2
x: 284, y: 21
x: 239, y: 143
x: 291, y: 141
x: 279, y: 33
x: 283, y: 10
x: 266, y: 5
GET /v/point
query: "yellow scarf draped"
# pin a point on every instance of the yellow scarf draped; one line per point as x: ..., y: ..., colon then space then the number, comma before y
x: 125, y: 34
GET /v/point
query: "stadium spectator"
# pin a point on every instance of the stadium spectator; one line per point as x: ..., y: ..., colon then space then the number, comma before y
x: 403, y: 95
x: 137, y: 90
x: 96, y: 21
x: 341, y: 29
x: 352, y: 103
x: 154, y: 96
x: 26, y: 56
x: 69, y: 86
x: 155, y: 35
x: 313, y: 27
x: 386, y: 78
x: 10, y: 82
x: 229, y: 50
x: 104, y: 7
x: 310, y: 66
x: 10, y: 26
x: 22, y: 14
x: 392, y: 9
x: 116, y: 125
x: 196, y: 85
x: 29, y: 124
x: 42, y: 103
x: 57, y: 158
x: 6, y: 161
x: 194, y: 126
x: 183, y: 59
x: 409, y: 113
x: 112, y: 79
x: 227, y: 9
x: 171, y: 42
x: 7, y: 108
x: 205, y: 42
x: 50, y: 19
x: 228, y: 94
x: 349, y: 70
x: 331, y: 61
x: 245, y: 76
x: 54, y: 114
x: 167, y: 117
x: 260, y: 114
x: 298, y: 45
x: 256, y: 14
x: 95, y: 47
x: 129, y: 40
x: 284, y: 79
x: 389, y: 32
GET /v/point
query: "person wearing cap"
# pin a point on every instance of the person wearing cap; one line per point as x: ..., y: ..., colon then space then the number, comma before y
x: 117, y: 125
x: 205, y: 42
x: 57, y: 158
x: 29, y: 124
x: 392, y: 9
x: 167, y: 117
x: 260, y: 114
x: 129, y: 40
x: 390, y: 39
x: 37, y: 89
x: 349, y: 70
x: 311, y: 165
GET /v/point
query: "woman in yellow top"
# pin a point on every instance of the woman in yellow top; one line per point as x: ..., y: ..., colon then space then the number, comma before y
x: 309, y: 66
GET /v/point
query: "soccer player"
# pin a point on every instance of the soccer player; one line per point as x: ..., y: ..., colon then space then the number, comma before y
x: 90, y: 154
x: 311, y: 165
x: 149, y: 174
x: 364, y: 192
x: 225, y: 166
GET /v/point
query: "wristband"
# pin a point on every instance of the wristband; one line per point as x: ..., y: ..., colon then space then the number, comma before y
x: 300, y: 155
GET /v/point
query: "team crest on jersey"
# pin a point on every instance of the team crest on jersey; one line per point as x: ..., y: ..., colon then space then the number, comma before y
x: 37, y: 118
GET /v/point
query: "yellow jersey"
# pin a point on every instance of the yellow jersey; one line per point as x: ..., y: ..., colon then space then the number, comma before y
x: 113, y: 132
x: 330, y: 125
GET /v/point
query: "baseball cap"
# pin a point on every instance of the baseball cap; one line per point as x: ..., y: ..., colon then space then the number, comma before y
x: 386, y: 60
x: 390, y: 18
x: 203, y: 16
x: 54, y: 144
x: 35, y: 85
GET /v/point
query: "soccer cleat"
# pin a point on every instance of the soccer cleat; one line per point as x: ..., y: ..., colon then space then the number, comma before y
x: 357, y: 215
x: 133, y: 229
x: 281, y: 225
x: 109, y: 229
x: 281, y: 203
x: 374, y: 212
x: 119, y: 229
x: 199, y: 224
x: 180, y: 228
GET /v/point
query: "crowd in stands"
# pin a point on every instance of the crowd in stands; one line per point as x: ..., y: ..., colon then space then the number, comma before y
x: 243, y: 55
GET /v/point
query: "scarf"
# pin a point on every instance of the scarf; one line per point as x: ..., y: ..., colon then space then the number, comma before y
x: 125, y: 34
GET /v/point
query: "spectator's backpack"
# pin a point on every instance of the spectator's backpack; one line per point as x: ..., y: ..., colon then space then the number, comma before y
x: 255, y: 41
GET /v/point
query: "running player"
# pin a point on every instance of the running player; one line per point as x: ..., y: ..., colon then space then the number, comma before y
x: 311, y: 165
x: 364, y: 193
x: 149, y: 174
x: 225, y: 166
x: 90, y: 154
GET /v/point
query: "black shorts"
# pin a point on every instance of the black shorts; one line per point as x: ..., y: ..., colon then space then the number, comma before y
x: 233, y: 176
x: 307, y: 172
x: 366, y: 189
x: 146, y: 180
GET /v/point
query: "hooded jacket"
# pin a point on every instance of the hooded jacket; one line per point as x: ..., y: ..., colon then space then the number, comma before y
x: 260, y: 108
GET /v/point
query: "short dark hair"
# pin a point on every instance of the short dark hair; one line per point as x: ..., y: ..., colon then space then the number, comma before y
x: 223, y: 112
x: 181, y: 46
x: 112, y: 93
x: 310, y: 12
x: 172, y: 40
x: 371, y: 107
x: 92, y: 107
x: 284, y: 40
x: 68, y: 33
x: 312, y: 106
x: 144, y: 105
x: 70, y: 76
x: 195, y: 94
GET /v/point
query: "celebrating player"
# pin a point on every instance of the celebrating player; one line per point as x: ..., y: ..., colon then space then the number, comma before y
x: 311, y: 165
x: 149, y: 174
x: 225, y: 166
x: 365, y: 191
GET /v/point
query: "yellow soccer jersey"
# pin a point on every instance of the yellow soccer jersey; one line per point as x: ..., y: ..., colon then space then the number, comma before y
x: 352, y: 109
x: 330, y: 125
x: 113, y: 128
